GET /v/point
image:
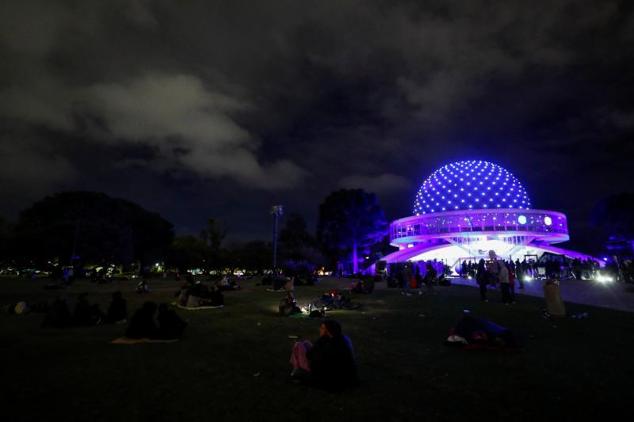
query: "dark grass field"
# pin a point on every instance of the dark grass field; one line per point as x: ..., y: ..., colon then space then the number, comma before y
x: 233, y: 363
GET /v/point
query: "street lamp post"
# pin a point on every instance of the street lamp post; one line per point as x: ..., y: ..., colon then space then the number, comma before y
x: 277, y: 211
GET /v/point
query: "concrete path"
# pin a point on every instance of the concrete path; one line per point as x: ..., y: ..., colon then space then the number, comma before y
x: 613, y: 295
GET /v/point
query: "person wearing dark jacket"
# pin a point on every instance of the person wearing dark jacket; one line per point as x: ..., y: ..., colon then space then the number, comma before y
x: 482, y: 280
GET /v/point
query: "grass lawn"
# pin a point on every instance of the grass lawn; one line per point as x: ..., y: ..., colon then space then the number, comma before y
x: 233, y: 363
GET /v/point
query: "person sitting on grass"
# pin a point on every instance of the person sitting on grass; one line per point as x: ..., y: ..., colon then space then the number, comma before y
x: 58, y: 315
x: 328, y: 363
x: 365, y: 286
x: 142, y: 323
x: 280, y: 282
x: 170, y: 325
x: 117, y: 310
x: 288, y: 305
x: 142, y: 287
x: 227, y: 283
x: 86, y: 314
x: 213, y: 297
x: 183, y: 293
x: 196, y: 294
x: 357, y: 287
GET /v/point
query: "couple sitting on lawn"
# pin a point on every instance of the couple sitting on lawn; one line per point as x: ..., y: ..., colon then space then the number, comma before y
x: 143, y: 326
x: 328, y: 363
x: 194, y: 294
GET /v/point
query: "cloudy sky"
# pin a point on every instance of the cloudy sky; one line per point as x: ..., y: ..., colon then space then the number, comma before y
x: 200, y: 109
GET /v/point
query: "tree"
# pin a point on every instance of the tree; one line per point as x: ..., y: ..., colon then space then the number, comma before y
x: 350, y: 219
x: 213, y: 234
x: 255, y: 255
x: 299, y: 250
x: 188, y: 252
x: 94, y: 227
x: 294, y: 237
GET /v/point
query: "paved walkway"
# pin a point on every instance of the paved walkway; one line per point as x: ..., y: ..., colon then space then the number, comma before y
x: 614, y: 295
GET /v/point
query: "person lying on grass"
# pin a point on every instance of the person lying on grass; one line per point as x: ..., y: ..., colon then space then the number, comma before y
x: 328, y: 363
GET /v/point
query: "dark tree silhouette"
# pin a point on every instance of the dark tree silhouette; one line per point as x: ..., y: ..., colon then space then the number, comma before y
x: 213, y: 234
x: 93, y: 227
x: 255, y: 255
x: 299, y: 251
x: 350, y: 219
x: 294, y: 237
x: 188, y: 252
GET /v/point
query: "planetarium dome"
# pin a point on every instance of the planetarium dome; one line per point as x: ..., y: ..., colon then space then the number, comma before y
x: 470, y: 185
x: 467, y: 208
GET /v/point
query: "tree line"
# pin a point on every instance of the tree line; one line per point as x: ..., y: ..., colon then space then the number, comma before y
x: 92, y: 228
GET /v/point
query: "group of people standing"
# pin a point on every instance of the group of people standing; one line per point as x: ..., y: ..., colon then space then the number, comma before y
x: 413, y: 276
x: 493, y: 272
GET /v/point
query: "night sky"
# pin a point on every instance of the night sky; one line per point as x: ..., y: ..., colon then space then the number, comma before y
x: 199, y: 109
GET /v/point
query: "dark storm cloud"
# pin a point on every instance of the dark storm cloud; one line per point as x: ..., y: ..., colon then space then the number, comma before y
x: 216, y: 103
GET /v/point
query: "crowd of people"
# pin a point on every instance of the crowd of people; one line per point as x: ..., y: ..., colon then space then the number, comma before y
x: 148, y: 322
x: 329, y: 361
x: 59, y: 314
x: 530, y: 269
x: 416, y: 275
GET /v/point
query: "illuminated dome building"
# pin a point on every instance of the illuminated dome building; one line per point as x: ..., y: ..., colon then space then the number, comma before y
x: 466, y: 208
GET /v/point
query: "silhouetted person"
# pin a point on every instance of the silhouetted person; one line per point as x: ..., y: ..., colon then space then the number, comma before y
x: 505, y: 282
x: 216, y: 298
x: 142, y: 287
x: 171, y: 326
x: 288, y: 305
x: 58, y: 315
x: 430, y: 276
x: 86, y: 314
x: 142, y: 322
x: 482, y: 280
x: 118, y: 309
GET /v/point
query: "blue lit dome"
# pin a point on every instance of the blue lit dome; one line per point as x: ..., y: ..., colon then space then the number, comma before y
x: 469, y: 185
